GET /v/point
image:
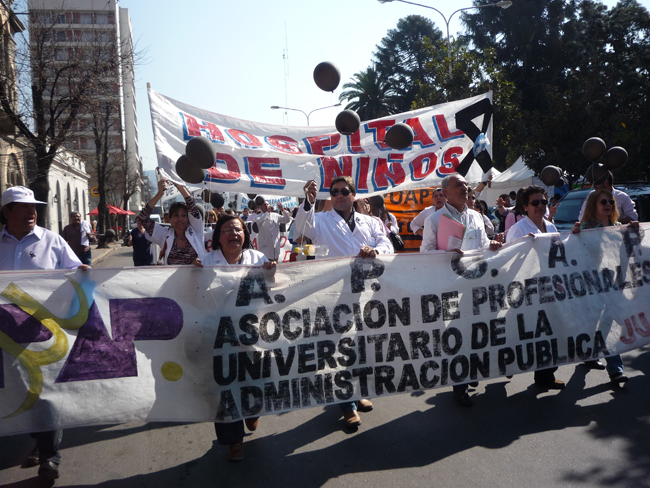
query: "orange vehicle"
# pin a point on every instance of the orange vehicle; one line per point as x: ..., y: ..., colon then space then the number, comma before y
x: 405, y: 206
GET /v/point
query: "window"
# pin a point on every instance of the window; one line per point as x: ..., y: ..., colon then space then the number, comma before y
x: 101, y: 18
x: 59, y: 19
x: 61, y: 36
x: 62, y: 55
x: 85, y: 18
x: 86, y: 36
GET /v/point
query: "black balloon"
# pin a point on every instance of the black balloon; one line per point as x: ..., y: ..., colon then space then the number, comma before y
x: 110, y: 234
x: 550, y: 175
x: 201, y: 152
x: 594, y: 148
x: 252, y: 205
x: 400, y: 136
x: 327, y: 76
x: 188, y: 171
x: 615, y: 157
x: 217, y: 200
x: 347, y: 122
x: 596, y: 173
x: 376, y: 201
x: 259, y: 200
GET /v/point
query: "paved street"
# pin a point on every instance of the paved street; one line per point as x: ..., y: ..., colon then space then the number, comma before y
x: 515, y: 436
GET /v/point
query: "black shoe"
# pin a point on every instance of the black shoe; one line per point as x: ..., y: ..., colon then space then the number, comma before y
x: 597, y: 364
x: 48, y: 471
x: 463, y: 399
x: 618, y: 378
x: 31, y: 460
x: 551, y: 385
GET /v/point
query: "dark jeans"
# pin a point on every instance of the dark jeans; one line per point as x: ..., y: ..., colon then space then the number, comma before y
x: 48, y: 445
x: 86, y: 257
x: 229, y: 433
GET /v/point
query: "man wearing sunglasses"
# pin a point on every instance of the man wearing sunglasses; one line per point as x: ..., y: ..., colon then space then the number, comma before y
x: 457, y: 193
x: 346, y: 233
x: 624, y: 203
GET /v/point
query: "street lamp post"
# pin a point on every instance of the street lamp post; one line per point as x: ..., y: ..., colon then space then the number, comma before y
x: 275, y: 107
x: 504, y: 4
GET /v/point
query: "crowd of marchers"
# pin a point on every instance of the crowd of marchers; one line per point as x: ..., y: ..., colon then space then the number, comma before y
x: 343, y: 225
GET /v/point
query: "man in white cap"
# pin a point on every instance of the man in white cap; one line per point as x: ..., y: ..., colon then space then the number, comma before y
x: 25, y: 245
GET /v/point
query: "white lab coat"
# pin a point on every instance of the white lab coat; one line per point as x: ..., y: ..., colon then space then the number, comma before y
x: 268, y: 236
x: 475, y: 236
x: 329, y: 229
x: 250, y: 257
x: 527, y: 226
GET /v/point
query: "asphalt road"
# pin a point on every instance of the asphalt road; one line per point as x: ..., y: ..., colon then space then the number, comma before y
x: 587, y: 435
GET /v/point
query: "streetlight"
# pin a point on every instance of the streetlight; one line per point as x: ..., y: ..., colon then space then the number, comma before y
x: 275, y: 107
x: 504, y: 4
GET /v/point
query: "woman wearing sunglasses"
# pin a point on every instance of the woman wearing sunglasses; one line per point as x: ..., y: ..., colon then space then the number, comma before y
x: 534, y: 205
x: 600, y: 210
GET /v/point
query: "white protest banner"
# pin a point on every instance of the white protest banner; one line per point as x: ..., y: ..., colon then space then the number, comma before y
x: 279, y: 160
x: 195, y: 344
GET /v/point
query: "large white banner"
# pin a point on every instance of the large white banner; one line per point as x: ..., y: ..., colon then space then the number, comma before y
x: 279, y: 160
x: 192, y: 344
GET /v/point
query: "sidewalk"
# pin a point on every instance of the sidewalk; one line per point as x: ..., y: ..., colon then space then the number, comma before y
x: 100, y: 254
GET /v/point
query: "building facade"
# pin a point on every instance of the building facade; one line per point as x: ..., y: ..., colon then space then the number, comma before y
x: 81, y: 26
x: 12, y: 146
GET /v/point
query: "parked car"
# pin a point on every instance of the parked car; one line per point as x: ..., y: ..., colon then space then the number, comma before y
x: 571, y: 203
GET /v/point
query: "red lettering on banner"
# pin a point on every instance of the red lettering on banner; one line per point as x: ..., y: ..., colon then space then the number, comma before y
x: 265, y: 172
x: 284, y: 144
x: 318, y: 144
x: 386, y: 170
x: 333, y: 167
x: 363, y: 167
x: 378, y: 129
x: 232, y: 173
x: 442, y: 129
x: 354, y: 143
x: 423, y: 166
x: 193, y: 129
x: 450, y: 161
x: 244, y: 139
x: 420, y: 135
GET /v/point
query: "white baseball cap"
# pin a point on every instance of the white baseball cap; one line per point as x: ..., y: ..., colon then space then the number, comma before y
x: 18, y: 194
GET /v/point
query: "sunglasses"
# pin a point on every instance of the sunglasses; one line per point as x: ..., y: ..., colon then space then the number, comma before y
x: 535, y: 203
x: 604, y: 201
x: 344, y: 191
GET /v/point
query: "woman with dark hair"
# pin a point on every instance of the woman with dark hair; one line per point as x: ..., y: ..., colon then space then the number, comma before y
x: 481, y: 207
x: 534, y: 206
x: 231, y: 244
x: 534, y: 209
x: 601, y: 211
x: 517, y: 213
x: 182, y: 243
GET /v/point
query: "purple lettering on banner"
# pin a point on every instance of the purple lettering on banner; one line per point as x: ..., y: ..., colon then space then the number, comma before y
x: 95, y: 356
x: 22, y: 328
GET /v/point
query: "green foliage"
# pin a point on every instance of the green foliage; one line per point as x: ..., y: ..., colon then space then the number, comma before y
x: 580, y: 70
x: 401, y: 57
x: 369, y: 95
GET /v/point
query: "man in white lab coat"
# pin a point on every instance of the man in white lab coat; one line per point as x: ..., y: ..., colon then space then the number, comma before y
x: 346, y: 233
x: 456, y: 191
x: 268, y: 230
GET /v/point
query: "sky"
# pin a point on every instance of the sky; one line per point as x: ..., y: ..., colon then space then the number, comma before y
x: 231, y: 57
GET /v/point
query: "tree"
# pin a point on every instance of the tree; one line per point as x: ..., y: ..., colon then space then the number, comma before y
x: 369, y: 95
x: 62, y: 69
x: 581, y: 71
x: 401, y: 57
x: 474, y: 73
